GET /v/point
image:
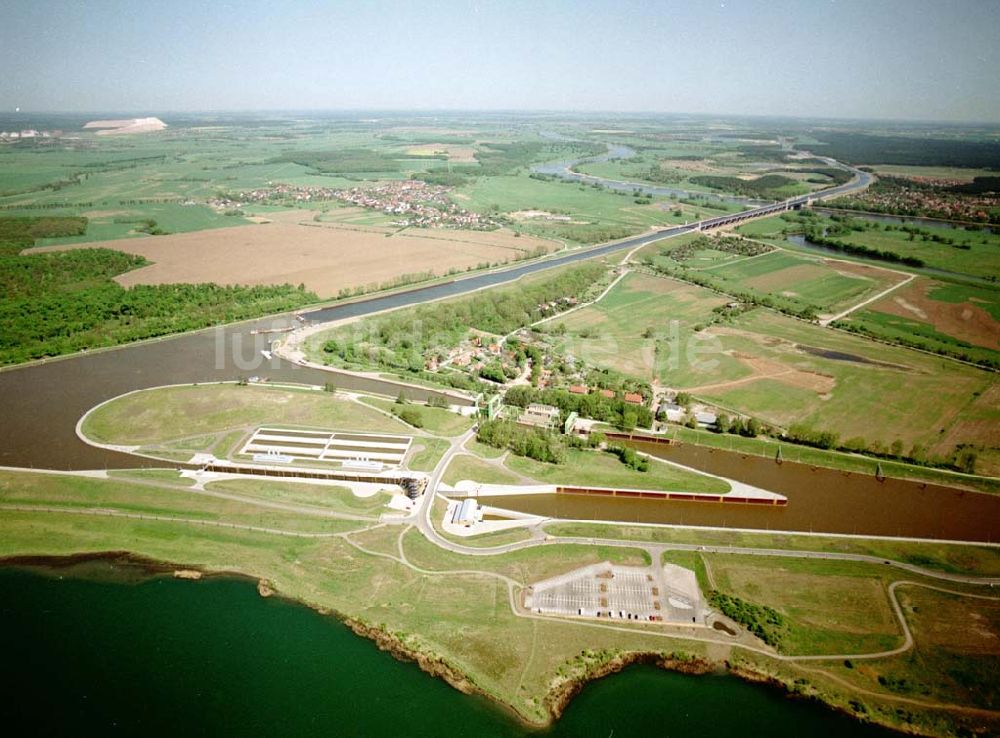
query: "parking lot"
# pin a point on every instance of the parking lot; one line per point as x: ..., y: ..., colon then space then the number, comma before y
x: 620, y: 593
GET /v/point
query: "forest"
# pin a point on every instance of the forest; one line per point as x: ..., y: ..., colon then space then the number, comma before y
x: 765, y: 186
x: 861, y: 148
x: 64, y: 301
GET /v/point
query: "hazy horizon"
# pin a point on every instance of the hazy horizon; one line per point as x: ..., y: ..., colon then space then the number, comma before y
x: 888, y: 60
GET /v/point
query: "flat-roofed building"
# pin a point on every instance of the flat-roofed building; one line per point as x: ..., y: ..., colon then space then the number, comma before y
x: 545, y: 416
x: 466, y: 513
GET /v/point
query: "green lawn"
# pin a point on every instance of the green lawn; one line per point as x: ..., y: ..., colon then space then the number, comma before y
x: 336, y: 499
x: 957, y: 559
x: 164, y: 414
x: 600, y: 469
x: 426, y: 452
x: 477, y: 470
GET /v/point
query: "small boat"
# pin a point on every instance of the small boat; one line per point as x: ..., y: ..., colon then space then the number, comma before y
x: 266, y: 354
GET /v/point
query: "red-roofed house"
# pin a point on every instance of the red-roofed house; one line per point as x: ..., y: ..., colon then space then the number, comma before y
x: 607, y: 393
x: 578, y: 389
x: 633, y: 397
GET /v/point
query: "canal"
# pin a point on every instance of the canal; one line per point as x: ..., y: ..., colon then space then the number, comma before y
x: 820, y: 500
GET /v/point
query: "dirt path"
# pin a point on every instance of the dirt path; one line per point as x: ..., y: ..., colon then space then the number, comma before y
x: 879, y: 296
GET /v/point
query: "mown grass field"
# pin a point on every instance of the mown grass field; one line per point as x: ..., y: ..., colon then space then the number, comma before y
x: 199, y: 412
x: 477, y: 470
x: 830, y: 607
x: 334, y: 498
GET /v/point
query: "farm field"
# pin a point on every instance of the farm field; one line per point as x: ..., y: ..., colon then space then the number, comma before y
x: 829, y: 284
x: 975, y: 253
x: 613, y: 332
x: 784, y: 371
x: 796, y: 372
x: 956, y: 317
x: 324, y: 258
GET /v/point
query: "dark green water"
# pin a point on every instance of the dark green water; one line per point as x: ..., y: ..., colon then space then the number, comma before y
x: 164, y: 657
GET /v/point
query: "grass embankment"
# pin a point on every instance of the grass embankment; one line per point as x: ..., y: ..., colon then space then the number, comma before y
x: 153, y: 498
x: 198, y: 415
x: 599, y: 469
x: 330, y: 497
x: 955, y: 559
x: 463, y: 619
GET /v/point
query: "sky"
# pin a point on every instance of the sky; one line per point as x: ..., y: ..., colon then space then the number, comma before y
x: 883, y: 59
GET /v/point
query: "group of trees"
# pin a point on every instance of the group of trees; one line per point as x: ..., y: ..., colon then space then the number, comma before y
x: 534, y: 443
x: 629, y: 457
x: 937, y: 343
x: 725, y: 244
x: 765, y: 186
x: 816, y: 236
x: 21, y: 232
x: 863, y: 148
x: 764, y: 622
x: 963, y: 458
x: 614, y: 410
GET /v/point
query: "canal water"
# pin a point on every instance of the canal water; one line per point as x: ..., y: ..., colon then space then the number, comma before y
x: 109, y: 654
x: 820, y: 500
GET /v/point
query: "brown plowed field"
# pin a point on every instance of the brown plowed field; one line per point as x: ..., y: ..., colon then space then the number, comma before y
x: 326, y: 259
x: 963, y: 320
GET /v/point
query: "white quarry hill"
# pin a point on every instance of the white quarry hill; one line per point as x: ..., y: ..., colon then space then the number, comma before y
x: 126, y: 125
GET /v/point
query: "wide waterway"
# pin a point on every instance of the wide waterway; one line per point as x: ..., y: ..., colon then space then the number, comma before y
x: 820, y: 500
x: 96, y: 656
